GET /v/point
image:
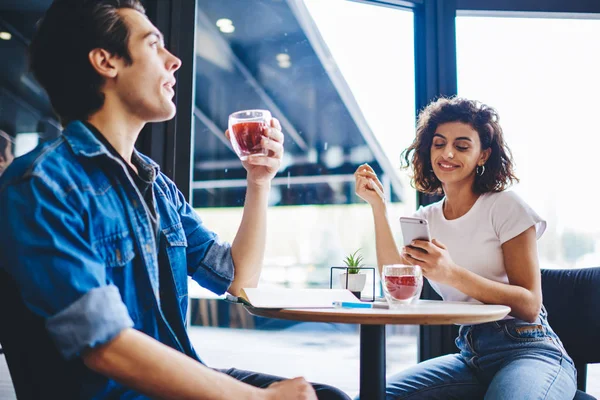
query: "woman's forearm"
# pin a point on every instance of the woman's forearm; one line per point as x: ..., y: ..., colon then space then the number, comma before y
x: 525, y: 304
x: 385, y: 245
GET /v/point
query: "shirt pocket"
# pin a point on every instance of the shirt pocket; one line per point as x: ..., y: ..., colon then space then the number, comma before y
x: 176, y: 246
x: 116, y: 250
x: 118, y: 253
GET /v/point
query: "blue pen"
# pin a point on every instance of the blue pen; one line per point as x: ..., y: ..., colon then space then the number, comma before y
x: 349, y: 304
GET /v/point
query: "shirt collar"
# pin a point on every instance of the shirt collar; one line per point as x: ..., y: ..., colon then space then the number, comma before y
x: 86, y: 144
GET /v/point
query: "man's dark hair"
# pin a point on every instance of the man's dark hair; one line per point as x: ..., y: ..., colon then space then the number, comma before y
x: 59, y: 50
x: 7, y: 134
x: 498, y: 174
x: 6, y: 141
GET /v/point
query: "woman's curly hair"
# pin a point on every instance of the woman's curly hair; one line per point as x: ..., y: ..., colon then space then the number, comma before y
x: 498, y: 173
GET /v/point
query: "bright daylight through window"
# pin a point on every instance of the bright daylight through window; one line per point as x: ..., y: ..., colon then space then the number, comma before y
x: 542, y: 77
x: 345, y: 96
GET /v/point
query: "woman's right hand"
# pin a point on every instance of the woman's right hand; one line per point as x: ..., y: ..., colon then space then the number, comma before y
x: 368, y: 186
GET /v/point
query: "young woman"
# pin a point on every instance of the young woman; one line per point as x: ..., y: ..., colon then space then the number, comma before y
x: 483, y: 250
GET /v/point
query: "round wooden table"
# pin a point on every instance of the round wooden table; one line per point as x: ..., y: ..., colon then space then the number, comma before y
x: 372, y: 328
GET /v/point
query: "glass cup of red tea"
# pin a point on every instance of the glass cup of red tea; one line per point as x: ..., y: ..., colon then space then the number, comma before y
x: 402, y: 284
x: 246, y: 130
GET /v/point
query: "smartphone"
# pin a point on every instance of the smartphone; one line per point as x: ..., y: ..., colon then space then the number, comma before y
x: 414, y: 229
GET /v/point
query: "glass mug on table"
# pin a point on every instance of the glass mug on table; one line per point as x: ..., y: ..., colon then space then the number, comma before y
x: 246, y: 131
x: 402, y: 283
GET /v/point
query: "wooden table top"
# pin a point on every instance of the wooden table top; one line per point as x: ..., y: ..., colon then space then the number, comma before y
x: 422, y: 312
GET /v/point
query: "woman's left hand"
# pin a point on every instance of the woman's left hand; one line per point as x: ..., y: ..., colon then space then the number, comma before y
x: 432, y: 257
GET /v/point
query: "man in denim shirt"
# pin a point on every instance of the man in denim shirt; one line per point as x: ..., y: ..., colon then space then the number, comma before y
x: 99, y: 243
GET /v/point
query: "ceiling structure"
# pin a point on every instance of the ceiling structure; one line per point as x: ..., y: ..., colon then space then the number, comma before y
x: 327, y: 137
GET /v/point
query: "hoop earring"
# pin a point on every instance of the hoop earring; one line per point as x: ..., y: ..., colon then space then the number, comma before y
x: 481, y: 171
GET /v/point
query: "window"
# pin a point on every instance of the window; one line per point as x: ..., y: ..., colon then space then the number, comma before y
x: 540, y: 73
x: 25, y: 114
x: 339, y: 75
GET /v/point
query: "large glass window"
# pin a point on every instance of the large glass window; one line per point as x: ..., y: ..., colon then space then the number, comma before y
x: 25, y: 114
x: 339, y: 75
x: 541, y: 73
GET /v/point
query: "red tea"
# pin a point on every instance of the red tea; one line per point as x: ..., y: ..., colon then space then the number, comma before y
x: 402, y: 287
x: 248, y: 136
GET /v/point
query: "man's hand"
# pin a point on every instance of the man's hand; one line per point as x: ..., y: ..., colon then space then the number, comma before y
x: 261, y: 169
x: 291, y: 389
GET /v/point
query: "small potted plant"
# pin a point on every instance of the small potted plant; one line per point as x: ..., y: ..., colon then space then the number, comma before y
x: 353, y: 280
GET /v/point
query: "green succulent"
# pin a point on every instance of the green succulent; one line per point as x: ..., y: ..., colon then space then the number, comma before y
x: 354, y: 262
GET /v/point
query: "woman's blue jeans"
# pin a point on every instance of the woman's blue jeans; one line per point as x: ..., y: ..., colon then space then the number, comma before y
x: 509, y: 359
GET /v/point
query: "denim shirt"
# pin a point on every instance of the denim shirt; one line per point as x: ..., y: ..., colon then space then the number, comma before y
x: 76, y: 237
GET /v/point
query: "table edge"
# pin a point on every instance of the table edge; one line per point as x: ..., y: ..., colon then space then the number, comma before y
x: 309, y: 315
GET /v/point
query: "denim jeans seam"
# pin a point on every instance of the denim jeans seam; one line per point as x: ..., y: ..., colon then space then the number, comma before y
x: 527, y: 351
x: 468, y: 340
x: 564, y: 356
x: 426, y: 389
x: 560, y: 367
x: 560, y: 348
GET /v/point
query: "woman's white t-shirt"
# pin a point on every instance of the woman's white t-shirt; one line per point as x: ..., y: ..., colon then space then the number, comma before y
x: 475, y: 239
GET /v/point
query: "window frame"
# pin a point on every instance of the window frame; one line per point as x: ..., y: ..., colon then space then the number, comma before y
x: 170, y: 143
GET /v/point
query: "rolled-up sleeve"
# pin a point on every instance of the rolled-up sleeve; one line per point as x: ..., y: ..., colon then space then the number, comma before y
x: 209, y: 259
x: 45, y: 247
x: 94, y: 319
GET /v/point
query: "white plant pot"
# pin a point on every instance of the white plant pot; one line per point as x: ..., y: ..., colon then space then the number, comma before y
x: 356, y: 282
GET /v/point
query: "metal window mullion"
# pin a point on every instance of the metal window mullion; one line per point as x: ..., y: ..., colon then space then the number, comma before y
x: 435, y: 75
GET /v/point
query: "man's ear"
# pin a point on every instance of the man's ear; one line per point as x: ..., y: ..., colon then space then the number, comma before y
x: 103, y: 62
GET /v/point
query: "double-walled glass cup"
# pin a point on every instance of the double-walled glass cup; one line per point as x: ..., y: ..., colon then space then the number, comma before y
x: 246, y: 131
x: 402, y: 284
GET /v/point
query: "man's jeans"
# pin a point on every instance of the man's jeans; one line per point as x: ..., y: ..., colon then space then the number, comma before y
x: 257, y: 379
x: 508, y: 359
